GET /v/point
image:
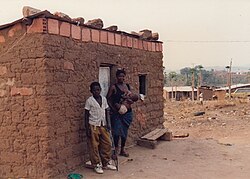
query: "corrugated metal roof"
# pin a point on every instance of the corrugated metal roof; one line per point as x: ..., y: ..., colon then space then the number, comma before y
x: 233, y: 87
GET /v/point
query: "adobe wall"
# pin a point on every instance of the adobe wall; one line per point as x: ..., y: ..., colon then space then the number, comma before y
x: 23, y: 110
x: 44, y: 83
x: 220, y: 94
x: 70, y: 89
x: 207, y: 93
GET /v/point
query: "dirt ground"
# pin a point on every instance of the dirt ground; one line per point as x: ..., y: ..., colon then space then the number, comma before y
x: 218, y: 145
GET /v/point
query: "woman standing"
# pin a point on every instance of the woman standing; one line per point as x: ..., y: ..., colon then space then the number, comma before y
x: 121, y: 115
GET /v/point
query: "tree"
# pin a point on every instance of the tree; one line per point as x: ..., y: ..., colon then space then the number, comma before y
x: 208, y: 77
x: 199, y: 67
x: 186, y: 72
x: 165, y: 76
x: 193, y: 71
x: 172, y: 76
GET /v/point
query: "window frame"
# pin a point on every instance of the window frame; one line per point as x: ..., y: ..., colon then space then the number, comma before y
x: 143, y: 83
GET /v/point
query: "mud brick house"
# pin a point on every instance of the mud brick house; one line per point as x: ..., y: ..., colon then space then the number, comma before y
x: 207, y: 92
x: 46, y: 66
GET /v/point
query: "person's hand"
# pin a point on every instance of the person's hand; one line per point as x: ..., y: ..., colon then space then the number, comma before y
x: 129, y: 101
x: 128, y: 93
x: 118, y: 106
x: 108, y: 127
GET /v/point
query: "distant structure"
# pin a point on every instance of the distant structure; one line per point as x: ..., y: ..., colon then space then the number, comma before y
x: 179, y: 92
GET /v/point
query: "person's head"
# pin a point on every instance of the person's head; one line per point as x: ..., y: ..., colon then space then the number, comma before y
x: 95, y: 88
x: 120, y: 75
x: 134, y: 97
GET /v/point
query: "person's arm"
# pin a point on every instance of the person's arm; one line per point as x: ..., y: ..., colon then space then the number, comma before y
x: 110, y: 102
x: 87, y: 127
x: 131, y: 96
x: 108, y: 125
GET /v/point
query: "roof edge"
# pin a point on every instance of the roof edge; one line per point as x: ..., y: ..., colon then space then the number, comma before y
x: 47, y: 14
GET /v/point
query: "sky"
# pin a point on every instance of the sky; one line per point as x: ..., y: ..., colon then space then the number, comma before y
x: 193, y: 32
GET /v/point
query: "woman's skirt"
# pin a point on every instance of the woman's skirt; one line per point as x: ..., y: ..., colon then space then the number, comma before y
x: 120, y: 123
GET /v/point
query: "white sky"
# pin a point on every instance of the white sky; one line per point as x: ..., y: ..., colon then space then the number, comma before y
x: 183, y: 25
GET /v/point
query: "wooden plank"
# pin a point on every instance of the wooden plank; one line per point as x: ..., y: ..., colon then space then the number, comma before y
x: 147, y: 143
x: 150, y: 134
x: 155, y: 134
x: 168, y: 136
x: 158, y: 134
x: 181, y: 135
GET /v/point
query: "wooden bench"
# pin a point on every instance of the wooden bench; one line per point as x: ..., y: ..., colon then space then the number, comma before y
x: 150, y: 140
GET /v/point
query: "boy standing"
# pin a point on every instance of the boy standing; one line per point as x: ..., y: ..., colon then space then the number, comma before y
x: 96, y: 129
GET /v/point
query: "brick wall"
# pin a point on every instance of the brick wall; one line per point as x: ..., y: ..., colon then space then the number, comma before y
x: 44, y: 83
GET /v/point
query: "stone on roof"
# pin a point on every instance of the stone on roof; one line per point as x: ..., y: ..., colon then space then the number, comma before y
x: 96, y: 23
x: 29, y: 11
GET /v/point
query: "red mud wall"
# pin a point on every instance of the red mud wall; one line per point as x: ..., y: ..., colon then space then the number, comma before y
x: 24, y: 118
x: 44, y: 82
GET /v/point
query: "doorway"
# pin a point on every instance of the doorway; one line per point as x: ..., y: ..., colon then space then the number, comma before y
x: 104, y: 79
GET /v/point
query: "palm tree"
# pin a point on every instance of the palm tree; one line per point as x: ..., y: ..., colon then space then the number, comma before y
x: 186, y: 72
x: 172, y: 76
x: 193, y: 71
x: 199, y: 67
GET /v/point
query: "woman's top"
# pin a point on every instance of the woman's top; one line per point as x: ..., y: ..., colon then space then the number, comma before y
x: 118, y: 96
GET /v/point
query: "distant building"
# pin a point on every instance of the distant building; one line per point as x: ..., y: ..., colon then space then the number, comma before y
x: 220, y: 93
x: 179, y: 92
x: 207, y: 92
x: 234, y: 87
